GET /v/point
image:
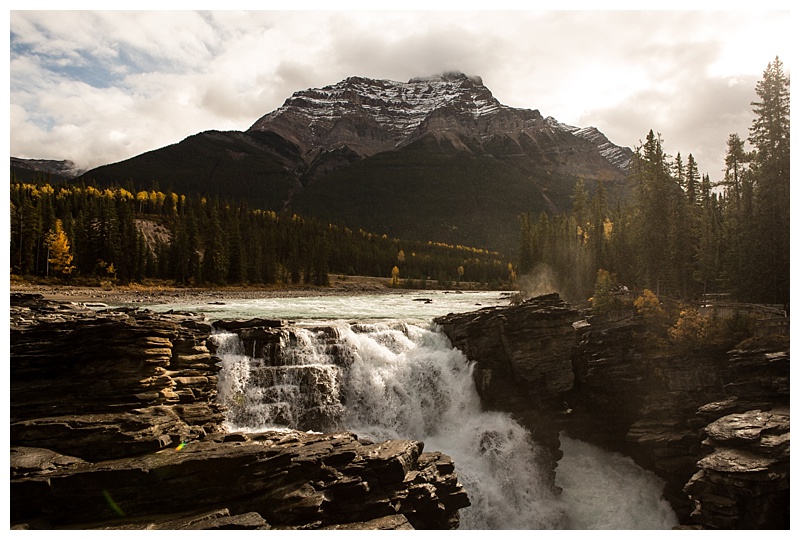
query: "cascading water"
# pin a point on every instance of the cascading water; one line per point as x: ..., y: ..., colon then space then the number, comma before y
x: 411, y: 383
x: 402, y: 380
x: 405, y: 381
x: 301, y: 391
x: 606, y: 490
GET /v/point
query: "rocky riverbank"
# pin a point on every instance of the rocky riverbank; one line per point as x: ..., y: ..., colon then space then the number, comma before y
x: 114, y: 411
x: 166, y: 294
x: 115, y: 425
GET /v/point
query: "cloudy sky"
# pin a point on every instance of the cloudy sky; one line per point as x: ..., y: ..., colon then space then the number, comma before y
x: 98, y: 87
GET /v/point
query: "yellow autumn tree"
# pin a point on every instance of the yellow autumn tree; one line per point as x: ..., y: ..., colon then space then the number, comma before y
x: 691, y: 329
x: 655, y: 316
x: 512, y: 274
x: 395, y: 276
x: 649, y: 306
x: 59, y: 256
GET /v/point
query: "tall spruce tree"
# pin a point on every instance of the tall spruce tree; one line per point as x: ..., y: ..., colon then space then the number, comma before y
x: 769, y: 135
x: 215, y: 260
x: 650, y: 171
x: 597, y: 236
x: 708, y: 248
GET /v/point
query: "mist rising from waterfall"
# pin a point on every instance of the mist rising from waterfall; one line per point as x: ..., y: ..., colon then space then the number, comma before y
x: 544, y: 279
x: 541, y: 280
x: 606, y: 490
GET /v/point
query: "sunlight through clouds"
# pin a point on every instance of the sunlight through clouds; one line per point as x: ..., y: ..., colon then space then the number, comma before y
x: 160, y: 76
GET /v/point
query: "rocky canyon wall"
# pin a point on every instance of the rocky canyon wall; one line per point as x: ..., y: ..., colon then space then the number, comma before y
x: 713, y: 422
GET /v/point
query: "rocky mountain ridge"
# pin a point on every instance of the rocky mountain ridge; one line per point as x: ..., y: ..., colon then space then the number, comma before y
x: 28, y: 168
x: 616, y: 155
x: 371, y: 115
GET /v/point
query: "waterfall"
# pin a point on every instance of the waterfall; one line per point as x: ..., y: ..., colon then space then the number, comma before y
x: 398, y: 380
x: 301, y: 392
x: 409, y: 382
x: 606, y: 490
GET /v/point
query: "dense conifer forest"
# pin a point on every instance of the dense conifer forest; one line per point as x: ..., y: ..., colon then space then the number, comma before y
x: 681, y: 236
x: 119, y: 236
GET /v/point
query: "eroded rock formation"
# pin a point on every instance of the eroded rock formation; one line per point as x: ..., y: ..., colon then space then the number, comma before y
x: 555, y: 369
x: 744, y: 478
x: 115, y: 425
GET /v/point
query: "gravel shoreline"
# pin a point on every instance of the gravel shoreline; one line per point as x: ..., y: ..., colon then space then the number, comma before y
x: 167, y: 295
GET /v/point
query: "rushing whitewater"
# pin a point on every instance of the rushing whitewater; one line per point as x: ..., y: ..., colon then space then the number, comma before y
x: 411, y: 383
x: 606, y: 490
x: 403, y: 381
x: 383, y: 378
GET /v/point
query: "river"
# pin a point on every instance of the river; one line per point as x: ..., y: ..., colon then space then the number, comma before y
x: 403, y: 379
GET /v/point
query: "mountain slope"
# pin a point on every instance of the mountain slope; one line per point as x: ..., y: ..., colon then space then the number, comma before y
x: 435, y: 158
x: 370, y: 116
x: 428, y: 191
x: 31, y: 170
x: 260, y: 169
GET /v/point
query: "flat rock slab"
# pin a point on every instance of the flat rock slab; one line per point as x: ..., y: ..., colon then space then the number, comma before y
x: 291, y: 479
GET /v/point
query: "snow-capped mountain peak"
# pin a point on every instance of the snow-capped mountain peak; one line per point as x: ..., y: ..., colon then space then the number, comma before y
x: 369, y: 116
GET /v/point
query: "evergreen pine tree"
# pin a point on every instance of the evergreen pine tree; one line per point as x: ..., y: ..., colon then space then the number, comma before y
x: 769, y: 135
x: 215, y: 260
x: 651, y: 175
x: 597, y: 237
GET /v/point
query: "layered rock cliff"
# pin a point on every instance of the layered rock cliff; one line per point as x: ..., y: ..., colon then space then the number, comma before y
x: 115, y: 425
x: 712, y: 422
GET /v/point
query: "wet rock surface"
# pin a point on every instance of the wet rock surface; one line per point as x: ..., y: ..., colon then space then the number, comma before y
x: 115, y: 425
x: 268, y: 480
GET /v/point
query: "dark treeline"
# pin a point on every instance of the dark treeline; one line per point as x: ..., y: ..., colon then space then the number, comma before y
x: 680, y: 235
x: 121, y: 236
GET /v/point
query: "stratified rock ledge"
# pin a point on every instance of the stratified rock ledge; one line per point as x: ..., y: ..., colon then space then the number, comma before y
x: 267, y: 480
x: 115, y: 425
x: 712, y: 422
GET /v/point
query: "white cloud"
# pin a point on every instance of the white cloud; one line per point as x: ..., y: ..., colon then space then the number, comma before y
x: 77, y: 77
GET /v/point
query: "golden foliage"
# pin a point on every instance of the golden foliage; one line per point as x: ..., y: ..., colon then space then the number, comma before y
x: 690, y: 329
x: 649, y: 306
x: 60, y: 258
